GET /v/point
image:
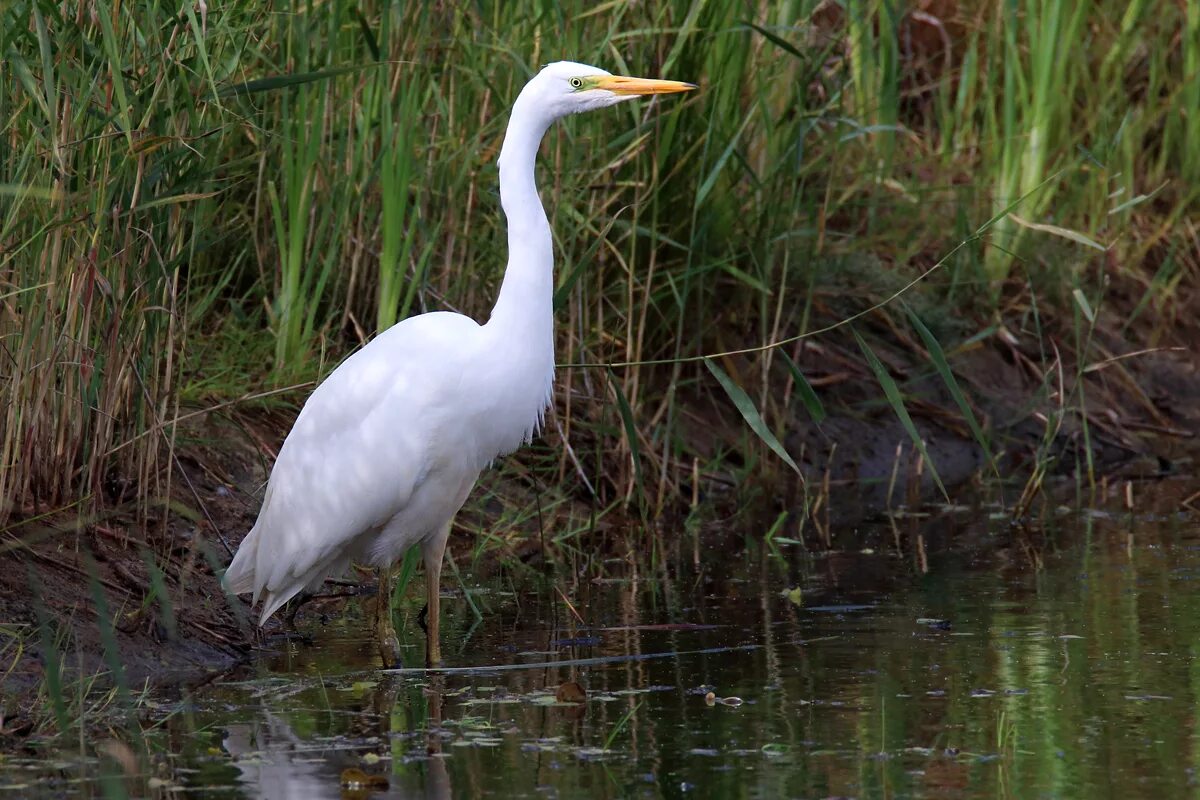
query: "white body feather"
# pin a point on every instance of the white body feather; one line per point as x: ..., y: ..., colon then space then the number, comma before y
x: 386, y: 450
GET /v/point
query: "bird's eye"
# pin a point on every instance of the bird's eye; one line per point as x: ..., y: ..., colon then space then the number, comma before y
x: 576, y: 83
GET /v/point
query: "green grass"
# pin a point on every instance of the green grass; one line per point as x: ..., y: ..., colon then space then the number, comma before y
x: 195, y: 207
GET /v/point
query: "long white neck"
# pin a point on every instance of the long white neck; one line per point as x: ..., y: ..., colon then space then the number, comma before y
x: 524, y: 308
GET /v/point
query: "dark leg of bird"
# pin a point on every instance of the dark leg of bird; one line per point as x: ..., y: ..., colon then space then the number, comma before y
x: 294, y: 609
x: 385, y: 631
x: 305, y: 597
x: 433, y: 550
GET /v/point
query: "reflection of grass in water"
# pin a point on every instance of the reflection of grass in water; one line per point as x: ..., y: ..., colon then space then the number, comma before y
x: 1024, y: 710
x: 620, y: 724
x: 1006, y: 735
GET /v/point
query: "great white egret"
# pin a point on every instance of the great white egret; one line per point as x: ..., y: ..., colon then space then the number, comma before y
x: 387, y: 448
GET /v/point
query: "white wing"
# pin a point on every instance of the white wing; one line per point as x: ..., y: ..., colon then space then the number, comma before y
x: 363, y: 444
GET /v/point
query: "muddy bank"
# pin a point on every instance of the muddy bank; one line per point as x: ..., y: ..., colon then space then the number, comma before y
x: 1133, y: 412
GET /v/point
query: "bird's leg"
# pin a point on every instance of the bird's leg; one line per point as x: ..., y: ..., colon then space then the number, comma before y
x: 305, y: 597
x: 385, y: 631
x: 433, y: 550
x: 289, y: 622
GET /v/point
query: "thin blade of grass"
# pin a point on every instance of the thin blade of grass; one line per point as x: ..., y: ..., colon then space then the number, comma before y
x: 892, y: 392
x: 1058, y: 230
x: 201, y: 48
x: 635, y: 451
x: 368, y: 35
x: 1138, y: 200
x: 51, y: 657
x: 108, y: 640
x: 408, y: 568
x: 116, y: 70
x: 941, y: 364
x: 746, y: 278
x: 778, y: 41
x: 711, y: 181
x: 186, y: 197
x: 1084, y: 306
x: 812, y: 403
x: 745, y: 407
x: 25, y: 76
x: 158, y: 590
x: 276, y: 82
x: 218, y: 565
x: 572, y: 276
x: 620, y: 724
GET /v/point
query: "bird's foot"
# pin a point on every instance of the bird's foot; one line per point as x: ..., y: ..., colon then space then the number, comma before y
x: 389, y: 649
x: 293, y: 608
x: 385, y: 629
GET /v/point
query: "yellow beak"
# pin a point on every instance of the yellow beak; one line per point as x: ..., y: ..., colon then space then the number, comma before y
x: 619, y: 84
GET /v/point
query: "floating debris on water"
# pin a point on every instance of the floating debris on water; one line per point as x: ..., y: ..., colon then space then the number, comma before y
x: 794, y: 596
x: 570, y: 692
x: 933, y: 622
x: 355, y: 780
x: 842, y: 609
x: 578, y: 641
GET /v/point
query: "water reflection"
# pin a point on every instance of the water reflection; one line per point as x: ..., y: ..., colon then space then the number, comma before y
x: 943, y: 657
x: 274, y: 762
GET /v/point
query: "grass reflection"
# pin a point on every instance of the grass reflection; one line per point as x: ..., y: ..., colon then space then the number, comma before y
x: 983, y: 677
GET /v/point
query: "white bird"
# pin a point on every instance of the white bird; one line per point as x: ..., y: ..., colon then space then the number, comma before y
x: 387, y: 448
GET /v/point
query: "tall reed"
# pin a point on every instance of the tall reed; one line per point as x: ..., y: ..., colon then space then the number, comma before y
x: 200, y: 201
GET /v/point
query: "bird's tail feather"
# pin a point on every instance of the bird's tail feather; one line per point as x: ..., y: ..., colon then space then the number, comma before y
x: 239, y: 578
x: 272, y: 602
x: 273, y: 599
x: 243, y: 577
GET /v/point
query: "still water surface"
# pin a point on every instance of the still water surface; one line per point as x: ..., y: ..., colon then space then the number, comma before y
x: 947, y: 656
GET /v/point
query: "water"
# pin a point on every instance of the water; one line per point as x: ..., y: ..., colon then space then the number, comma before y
x: 951, y: 656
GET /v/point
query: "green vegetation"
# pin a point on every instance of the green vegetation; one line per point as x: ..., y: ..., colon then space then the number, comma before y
x: 202, y: 203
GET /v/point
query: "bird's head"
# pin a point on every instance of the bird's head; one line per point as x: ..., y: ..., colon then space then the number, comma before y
x: 566, y: 87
